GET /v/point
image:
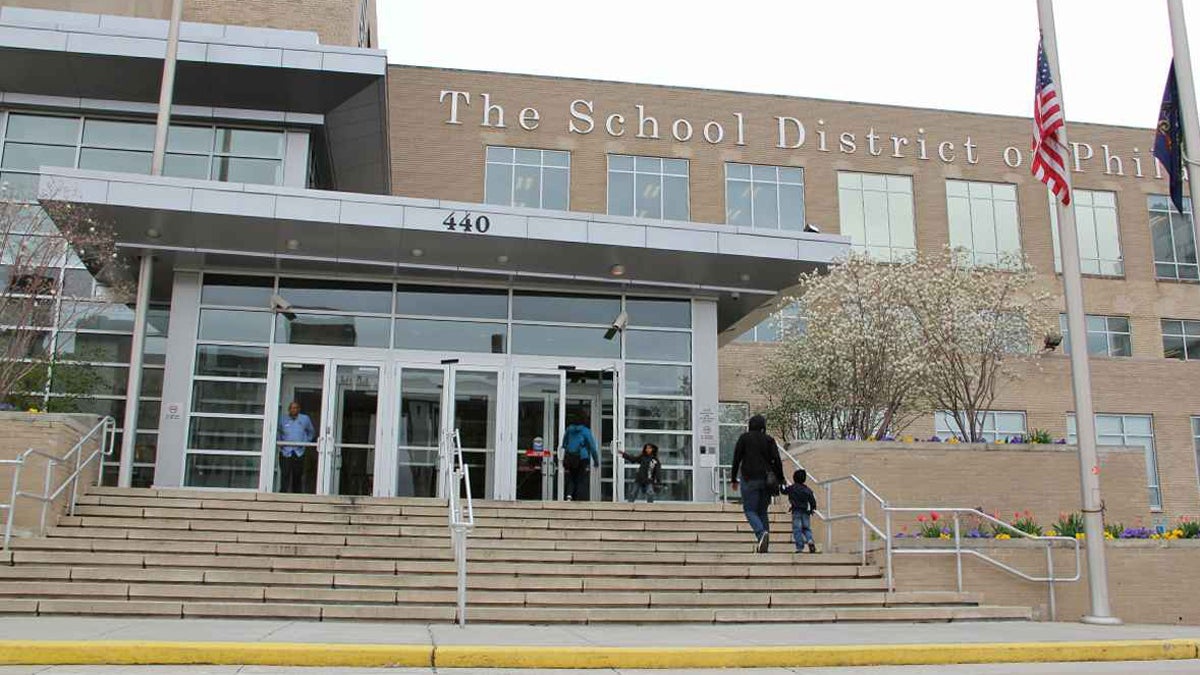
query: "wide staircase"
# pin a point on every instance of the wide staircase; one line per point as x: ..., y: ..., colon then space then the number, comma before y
x: 180, y: 553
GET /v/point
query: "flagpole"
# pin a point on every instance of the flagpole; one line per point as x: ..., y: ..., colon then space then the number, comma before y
x: 1085, y: 419
x: 1187, y: 97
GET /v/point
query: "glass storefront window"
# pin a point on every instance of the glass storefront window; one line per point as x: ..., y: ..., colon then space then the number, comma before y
x: 659, y: 313
x: 111, y: 407
x: 222, y: 471
x: 563, y: 341
x: 236, y: 291
x: 673, y: 449
x: 226, y: 361
x: 652, y: 380
x: 195, y: 140
x: 669, y: 415
x: 654, y: 345
x: 235, y: 326
x: 30, y: 156
x: 337, y: 296
x: 451, y: 336
x: 249, y: 142
x: 565, y: 308
x: 676, y: 484
x: 95, y: 347
x: 473, y: 303
x: 43, y: 129
x: 239, y: 398
x: 332, y: 330
x: 226, y: 433
x: 95, y: 380
x: 152, y: 382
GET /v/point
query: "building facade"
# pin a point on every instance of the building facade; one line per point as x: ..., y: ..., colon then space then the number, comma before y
x: 407, y: 251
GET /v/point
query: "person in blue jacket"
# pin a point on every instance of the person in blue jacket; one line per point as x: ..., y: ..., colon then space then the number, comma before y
x: 580, y: 453
x: 296, y: 432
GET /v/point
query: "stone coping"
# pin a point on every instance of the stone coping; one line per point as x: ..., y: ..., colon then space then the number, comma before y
x: 1015, y: 543
x: 809, y: 446
x: 81, y: 422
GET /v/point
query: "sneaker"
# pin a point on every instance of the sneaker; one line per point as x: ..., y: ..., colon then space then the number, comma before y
x: 812, y: 547
x: 764, y: 541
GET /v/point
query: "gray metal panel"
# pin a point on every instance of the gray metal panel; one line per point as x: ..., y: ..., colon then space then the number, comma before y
x: 705, y: 388
x: 177, y: 379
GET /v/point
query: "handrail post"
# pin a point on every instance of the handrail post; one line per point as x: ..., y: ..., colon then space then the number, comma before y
x: 75, y: 476
x: 958, y: 552
x: 12, y: 503
x: 829, y: 517
x: 46, y: 494
x: 887, y: 517
x: 1050, y: 584
x: 862, y: 522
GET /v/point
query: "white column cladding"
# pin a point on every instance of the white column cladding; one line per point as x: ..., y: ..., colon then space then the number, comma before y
x: 295, y: 159
x: 133, y: 388
x: 705, y: 392
x: 177, y: 379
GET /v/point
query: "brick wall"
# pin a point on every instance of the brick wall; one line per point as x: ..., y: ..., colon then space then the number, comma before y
x: 1149, y: 581
x: 336, y: 21
x: 1043, y: 479
x: 55, y: 434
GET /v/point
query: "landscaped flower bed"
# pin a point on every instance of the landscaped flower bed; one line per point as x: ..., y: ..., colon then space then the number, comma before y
x: 935, y: 525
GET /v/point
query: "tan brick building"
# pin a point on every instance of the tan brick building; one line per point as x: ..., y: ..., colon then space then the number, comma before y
x: 433, y: 156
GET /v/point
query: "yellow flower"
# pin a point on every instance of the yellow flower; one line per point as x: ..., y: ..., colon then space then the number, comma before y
x: 943, y: 536
x: 1004, y: 536
x: 1051, y: 533
x: 1079, y: 535
x: 1156, y: 536
x: 1108, y: 535
x: 906, y: 439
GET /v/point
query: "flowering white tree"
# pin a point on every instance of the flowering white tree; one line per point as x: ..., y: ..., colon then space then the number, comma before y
x: 885, y: 343
x: 976, y: 324
x: 37, y: 292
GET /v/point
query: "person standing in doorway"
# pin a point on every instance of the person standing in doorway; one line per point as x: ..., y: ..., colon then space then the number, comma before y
x: 294, y: 427
x: 579, y: 455
x: 758, y: 473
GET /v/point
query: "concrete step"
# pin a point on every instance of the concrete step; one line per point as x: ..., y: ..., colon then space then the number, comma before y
x: 509, y: 614
x: 399, y: 551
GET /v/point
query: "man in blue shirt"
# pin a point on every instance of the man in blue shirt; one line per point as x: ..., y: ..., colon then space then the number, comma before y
x: 298, y: 428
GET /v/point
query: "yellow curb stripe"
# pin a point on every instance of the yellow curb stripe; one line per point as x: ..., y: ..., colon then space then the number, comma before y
x: 450, y: 656
x: 106, y: 652
x: 103, y: 652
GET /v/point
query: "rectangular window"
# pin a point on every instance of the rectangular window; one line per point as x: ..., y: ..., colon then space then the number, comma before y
x: 1096, y: 227
x: 538, y: 179
x: 983, y: 219
x: 1181, y: 339
x: 1174, y: 239
x: 768, y: 197
x: 1196, y: 445
x: 1106, y: 335
x: 776, y: 327
x: 732, y: 418
x: 1127, y: 430
x: 648, y: 187
x: 877, y: 214
x: 995, y: 425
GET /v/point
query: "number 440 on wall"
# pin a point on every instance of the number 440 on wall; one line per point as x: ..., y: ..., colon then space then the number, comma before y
x: 480, y: 225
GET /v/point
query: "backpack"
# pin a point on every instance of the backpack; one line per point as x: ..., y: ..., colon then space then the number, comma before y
x: 574, y: 445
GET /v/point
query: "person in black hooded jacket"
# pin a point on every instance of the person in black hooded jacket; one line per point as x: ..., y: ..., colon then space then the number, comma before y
x: 756, y: 464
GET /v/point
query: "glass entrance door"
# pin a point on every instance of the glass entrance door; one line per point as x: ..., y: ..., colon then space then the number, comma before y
x: 539, y: 421
x: 326, y: 428
x: 434, y: 401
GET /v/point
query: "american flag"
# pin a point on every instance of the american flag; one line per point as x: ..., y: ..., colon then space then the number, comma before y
x: 1049, y: 150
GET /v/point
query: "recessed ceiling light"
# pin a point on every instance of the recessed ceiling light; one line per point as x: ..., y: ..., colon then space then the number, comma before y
x: 617, y: 270
x: 293, y: 244
x: 501, y: 259
x: 745, y: 277
x: 153, y: 233
x: 417, y: 253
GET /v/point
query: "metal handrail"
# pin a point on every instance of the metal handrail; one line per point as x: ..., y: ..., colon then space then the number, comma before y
x: 106, y: 425
x: 890, y: 549
x: 462, y: 519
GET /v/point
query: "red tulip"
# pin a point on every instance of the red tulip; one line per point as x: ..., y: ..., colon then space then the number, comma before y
x: 934, y: 515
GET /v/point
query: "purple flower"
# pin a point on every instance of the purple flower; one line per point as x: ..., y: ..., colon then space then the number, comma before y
x: 935, y: 439
x: 1136, y: 533
x: 1061, y: 441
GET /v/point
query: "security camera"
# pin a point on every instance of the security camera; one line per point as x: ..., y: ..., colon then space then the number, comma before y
x: 812, y: 229
x: 281, y: 306
x: 617, y: 326
x: 1052, y: 341
x: 735, y: 295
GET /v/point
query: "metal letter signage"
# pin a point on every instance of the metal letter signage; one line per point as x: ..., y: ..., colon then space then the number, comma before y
x: 476, y: 225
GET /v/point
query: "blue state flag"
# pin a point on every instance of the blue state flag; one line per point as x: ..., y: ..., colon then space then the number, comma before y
x: 1168, y: 140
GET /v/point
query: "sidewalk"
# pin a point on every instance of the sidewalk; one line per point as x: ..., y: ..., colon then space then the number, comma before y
x: 64, y: 640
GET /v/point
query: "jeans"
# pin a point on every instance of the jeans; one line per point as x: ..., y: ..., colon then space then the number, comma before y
x: 291, y: 473
x: 577, y: 484
x: 801, y: 529
x: 640, y: 490
x: 755, y: 503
